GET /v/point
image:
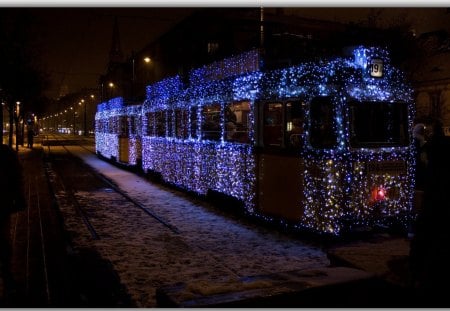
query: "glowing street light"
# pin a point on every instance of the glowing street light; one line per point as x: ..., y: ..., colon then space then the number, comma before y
x: 111, y: 88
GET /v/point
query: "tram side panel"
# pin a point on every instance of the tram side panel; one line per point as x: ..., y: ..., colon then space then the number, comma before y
x: 202, y: 166
x: 107, y: 145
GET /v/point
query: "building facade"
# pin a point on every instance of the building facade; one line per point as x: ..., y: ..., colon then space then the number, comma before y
x: 432, y: 79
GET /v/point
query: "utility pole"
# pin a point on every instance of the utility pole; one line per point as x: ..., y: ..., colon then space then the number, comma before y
x: 17, y: 125
x: 1, y: 117
x: 84, y: 116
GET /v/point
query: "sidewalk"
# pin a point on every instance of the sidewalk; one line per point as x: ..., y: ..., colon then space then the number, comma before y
x: 39, y: 257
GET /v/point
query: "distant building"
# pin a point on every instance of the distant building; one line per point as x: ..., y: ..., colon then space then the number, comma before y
x: 431, y: 78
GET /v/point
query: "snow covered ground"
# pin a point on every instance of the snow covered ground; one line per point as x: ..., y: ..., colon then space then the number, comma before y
x: 147, y: 254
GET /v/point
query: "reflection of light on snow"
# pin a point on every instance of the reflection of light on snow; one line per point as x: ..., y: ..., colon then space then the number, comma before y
x: 211, y: 247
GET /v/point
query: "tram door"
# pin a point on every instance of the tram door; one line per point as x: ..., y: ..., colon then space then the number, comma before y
x: 280, y: 166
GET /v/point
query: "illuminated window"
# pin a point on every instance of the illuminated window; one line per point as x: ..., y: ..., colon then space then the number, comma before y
x: 213, y: 47
x: 294, y: 124
x: 237, y: 122
x: 273, y: 124
x: 283, y: 124
x: 211, y: 122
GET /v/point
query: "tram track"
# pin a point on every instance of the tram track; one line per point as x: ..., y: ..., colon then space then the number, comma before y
x: 71, y: 196
x: 69, y: 187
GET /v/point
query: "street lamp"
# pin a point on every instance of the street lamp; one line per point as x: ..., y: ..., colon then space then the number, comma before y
x: 111, y: 87
x: 1, y: 116
x: 148, y: 62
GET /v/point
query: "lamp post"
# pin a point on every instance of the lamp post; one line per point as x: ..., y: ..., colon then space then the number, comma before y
x: 133, y: 75
x: 73, y: 119
x: 92, y: 99
x: 83, y: 103
x: 111, y: 88
x: 17, y: 125
x: 147, y: 61
x: 1, y: 117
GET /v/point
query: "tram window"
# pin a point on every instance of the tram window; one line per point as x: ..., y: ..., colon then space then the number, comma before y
x: 151, y: 124
x: 273, y: 124
x: 170, y: 123
x: 135, y: 126
x: 139, y: 125
x: 193, y: 121
x: 181, y: 123
x: 378, y: 124
x: 110, y: 126
x: 113, y: 125
x: 294, y: 124
x: 132, y: 120
x: 211, y: 128
x: 236, y: 122
x: 100, y: 126
x: 322, y: 132
x: 132, y: 124
x: 123, y: 126
x: 160, y: 123
x: 116, y: 128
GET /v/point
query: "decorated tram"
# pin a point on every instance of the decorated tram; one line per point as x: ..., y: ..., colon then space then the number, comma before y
x: 118, y: 132
x: 324, y: 145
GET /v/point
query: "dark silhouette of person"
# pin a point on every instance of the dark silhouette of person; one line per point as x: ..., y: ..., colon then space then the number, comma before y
x: 12, y: 199
x: 430, y: 246
x: 30, y: 137
x: 421, y: 155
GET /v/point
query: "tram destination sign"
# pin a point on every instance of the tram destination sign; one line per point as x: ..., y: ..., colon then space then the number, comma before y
x: 376, y: 68
x: 389, y: 167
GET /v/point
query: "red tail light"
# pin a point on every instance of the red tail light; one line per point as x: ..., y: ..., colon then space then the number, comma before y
x: 378, y: 193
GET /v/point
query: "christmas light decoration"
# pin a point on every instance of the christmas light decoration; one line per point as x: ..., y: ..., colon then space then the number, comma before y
x: 118, y: 129
x: 338, y: 186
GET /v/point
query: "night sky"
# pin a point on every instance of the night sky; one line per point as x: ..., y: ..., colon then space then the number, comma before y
x: 74, y: 43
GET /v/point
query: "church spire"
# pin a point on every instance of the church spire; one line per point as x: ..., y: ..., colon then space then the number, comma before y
x: 115, y: 54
